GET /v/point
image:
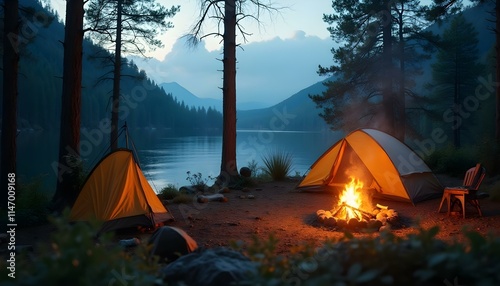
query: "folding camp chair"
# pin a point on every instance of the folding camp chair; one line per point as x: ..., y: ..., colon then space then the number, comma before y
x: 466, y: 193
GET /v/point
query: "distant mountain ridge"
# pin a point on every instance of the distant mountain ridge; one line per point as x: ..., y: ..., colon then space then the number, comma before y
x: 181, y: 94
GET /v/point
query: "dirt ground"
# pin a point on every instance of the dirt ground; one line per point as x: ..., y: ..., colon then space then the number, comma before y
x: 278, y: 209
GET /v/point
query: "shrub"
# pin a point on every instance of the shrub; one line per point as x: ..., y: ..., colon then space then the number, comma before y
x: 32, y: 204
x: 74, y: 257
x: 418, y: 259
x: 277, y: 164
x: 169, y: 192
x: 198, y: 181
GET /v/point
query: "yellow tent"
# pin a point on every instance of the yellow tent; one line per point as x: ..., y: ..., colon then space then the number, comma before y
x: 117, y: 193
x: 384, y: 164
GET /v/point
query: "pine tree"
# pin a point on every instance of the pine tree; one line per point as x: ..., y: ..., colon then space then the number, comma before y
x: 126, y: 26
x: 454, y: 74
x: 370, y: 77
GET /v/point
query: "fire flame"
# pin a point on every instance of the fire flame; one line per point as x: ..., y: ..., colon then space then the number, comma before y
x: 352, y: 197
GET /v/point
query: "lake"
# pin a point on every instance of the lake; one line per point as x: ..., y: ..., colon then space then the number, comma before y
x: 166, y: 159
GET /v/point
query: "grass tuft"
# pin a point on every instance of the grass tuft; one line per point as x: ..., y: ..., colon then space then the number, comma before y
x: 277, y: 164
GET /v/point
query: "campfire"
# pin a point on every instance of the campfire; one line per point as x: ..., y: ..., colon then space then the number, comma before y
x: 354, y: 210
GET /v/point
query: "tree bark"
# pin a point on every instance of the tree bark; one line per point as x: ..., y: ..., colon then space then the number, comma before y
x: 387, y: 92
x: 401, y: 106
x: 497, y: 31
x: 69, y: 139
x: 116, y: 78
x: 9, y: 107
x: 229, y: 169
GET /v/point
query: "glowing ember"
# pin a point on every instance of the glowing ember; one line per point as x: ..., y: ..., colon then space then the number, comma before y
x: 351, y: 196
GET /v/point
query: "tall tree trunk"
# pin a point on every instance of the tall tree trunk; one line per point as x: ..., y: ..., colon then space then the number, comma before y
x: 497, y: 32
x: 116, y: 78
x: 387, y: 92
x: 69, y: 138
x: 401, y: 106
x: 9, y: 107
x: 456, y: 105
x: 229, y: 169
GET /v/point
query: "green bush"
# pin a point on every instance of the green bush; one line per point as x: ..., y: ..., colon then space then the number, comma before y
x: 418, y: 259
x: 169, y: 192
x: 32, y: 204
x: 75, y: 257
x: 277, y: 164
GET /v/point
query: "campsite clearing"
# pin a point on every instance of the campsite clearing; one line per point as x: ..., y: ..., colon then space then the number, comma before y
x: 278, y: 209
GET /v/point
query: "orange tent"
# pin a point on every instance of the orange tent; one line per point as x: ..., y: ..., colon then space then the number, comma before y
x: 383, y: 163
x: 117, y: 194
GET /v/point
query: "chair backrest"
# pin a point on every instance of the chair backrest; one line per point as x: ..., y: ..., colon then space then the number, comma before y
x: 474, y: 176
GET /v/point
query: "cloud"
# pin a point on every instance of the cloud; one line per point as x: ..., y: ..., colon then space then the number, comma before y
x: 267, y: 71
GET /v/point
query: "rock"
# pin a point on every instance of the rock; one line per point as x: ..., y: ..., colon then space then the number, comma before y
x: 251, y: 197
x: 169, y: 243
x: 374, y: 224
x: 381, y: 215
x: 363, y: 224
x: 341, y: 223
x: 129, y: 242
x: 330, y: 221
x: 246, y: 190
x: 214, y: 266
x: 353, y: 223
x: 245, y: 172
x: 385, y: 228
x: 322, y: 218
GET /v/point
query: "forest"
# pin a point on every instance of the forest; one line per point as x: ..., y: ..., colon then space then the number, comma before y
x: 40, y: 84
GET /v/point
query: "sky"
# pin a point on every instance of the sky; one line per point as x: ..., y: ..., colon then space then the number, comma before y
x: 280, y: 58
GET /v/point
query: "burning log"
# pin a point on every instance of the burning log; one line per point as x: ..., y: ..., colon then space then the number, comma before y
x: 379, y: 219
x: 356, y: 212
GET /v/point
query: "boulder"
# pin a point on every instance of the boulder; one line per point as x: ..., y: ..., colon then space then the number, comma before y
x: 215, y: 266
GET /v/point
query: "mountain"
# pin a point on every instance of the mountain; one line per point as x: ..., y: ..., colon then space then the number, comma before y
x: 181, y: 94
x: 298, y: 112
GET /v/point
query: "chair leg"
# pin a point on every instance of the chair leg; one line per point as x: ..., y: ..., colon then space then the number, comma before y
x: 446, y: 197
x: 475, y: 203
x: 462, y: 201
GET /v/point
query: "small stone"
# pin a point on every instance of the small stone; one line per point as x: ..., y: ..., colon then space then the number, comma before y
x: 330, y: 221
x: 353, y: 223
x: 381, y: 216
x: 363, y: 224
x: 384, y: 228
x: 246, y: 172
x: 374, y: 224
x: 341, y: 223
x: 251, y: 197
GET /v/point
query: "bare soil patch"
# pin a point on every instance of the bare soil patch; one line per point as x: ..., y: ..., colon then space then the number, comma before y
x: 278, y: 209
